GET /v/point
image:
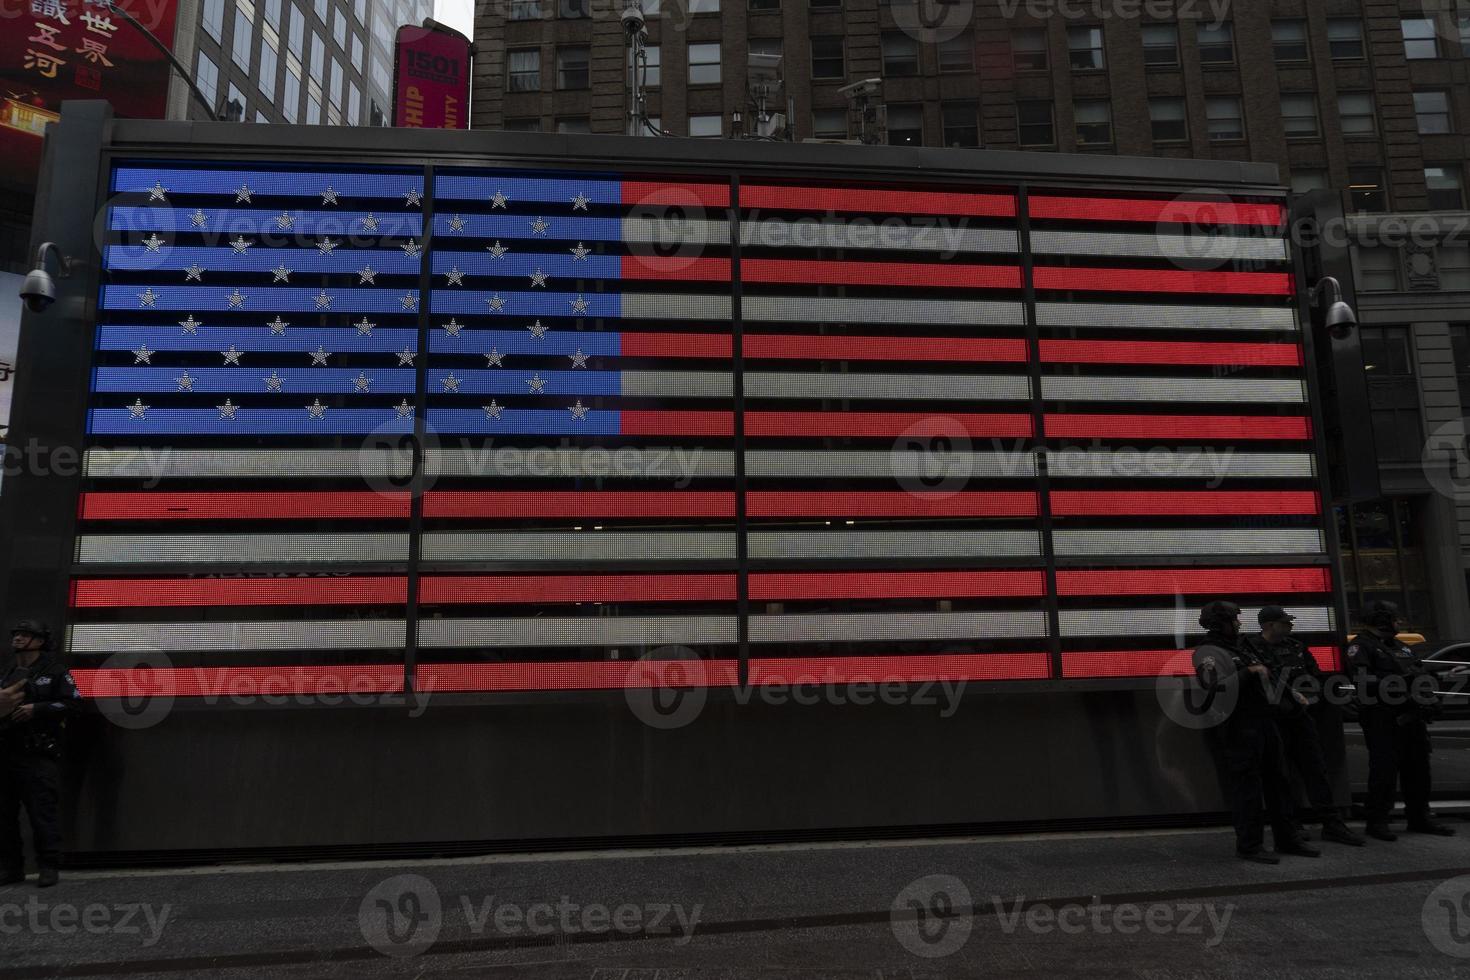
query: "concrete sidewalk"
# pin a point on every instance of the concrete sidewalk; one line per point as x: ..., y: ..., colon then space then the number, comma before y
x: 1159, y: 904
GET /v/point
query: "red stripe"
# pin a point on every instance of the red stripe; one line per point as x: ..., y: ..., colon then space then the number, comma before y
x: 894, y: 585
x: 1133, y: 503
x: 675, y: 345
x: 227, y: 683
x: 781, y: 503
x: 589, y: 503
x: 874, y: 201
x: 868, y: 670
x: 241, y: 506
x: 1163, y: 281
x: 128, y: 593
x: 661, y: 194
x: 1152, y: 663
x: 883, y: 424
x: 1192, y: 581
x: 456, y: 589
x: 676, y: 423
x: 958, y: 349
x: 600, y: 675
x: 1155, y: 352
x: 1178, y: 427
x: 1171, y: 211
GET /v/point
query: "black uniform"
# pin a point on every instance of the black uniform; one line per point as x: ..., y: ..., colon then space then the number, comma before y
x: 1295, y: 669
x: 30, y: 762
x: 1248, y: 752
x: 1395, y: 727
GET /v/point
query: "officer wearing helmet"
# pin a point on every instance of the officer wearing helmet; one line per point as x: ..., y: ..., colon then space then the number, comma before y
x: 37, y: 695
x: 1246, y: 743
x: 1396, y: 703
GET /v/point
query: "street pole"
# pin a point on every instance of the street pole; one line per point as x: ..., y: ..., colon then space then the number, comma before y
x: 164, y: 50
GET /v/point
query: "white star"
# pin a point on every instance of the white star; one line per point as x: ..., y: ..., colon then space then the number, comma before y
x: 493, y: 410
x: 237, y: 301
x: 281, y: 273
x: 456, y: 223
x: 317, y: 410
x: 579, y: 411
x: 494, y: 358
x: 195, y: 273
x: 362, y: 381
x: 191, y: 325
x: 580, y: 202
x: 450, y: 382
x: 273, y: 383
x: 323, y: 301
x: 538, y: 278
x: 326, y: 245
x: 319, y: 356
x: 285, y: 220
x: 537, y: 383
x: 406, y: 356
x: 138, y: 409
x: 495, y: 303
x: 199, y: 219
x: 240, y: 244
x: 580, y: 253
x: 278, y: 326
x: 242, y: 195
x: 365, y: 327
x: 579, y: 360
x: 329, y: 196
x: 153, y: 243
x: 157, y: 192
x: 537, y: 330
x: 370, y: 222
x: 404, y: 409
x: 147, y: 297
x: 143, y: 355
x: 185, y: 382
x: 231, y: 356
x: 498, y: 201
x: 410, y: 302
x: 455, y: 277
x: 453, y: 327
x: 497, y: 250
x: 411, y: 249
x: 228, y: 410
x: 412, y: 198
x: 367, y: 276
x: 579, y: 305
x: 539, y: 226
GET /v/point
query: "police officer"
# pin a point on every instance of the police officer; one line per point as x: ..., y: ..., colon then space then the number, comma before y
x: 1396, y: 702
x: 1302, y: 683
x: 1246, y: 743
x: 36, y: 696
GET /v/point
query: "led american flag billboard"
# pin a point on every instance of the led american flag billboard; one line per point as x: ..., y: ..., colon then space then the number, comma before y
x: 513, y: 429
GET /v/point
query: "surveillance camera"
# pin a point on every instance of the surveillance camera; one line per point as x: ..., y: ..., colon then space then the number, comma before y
x: 39, y: 291
x: 633, y: 20
x: 1340, y: 320
x: 864, y: 89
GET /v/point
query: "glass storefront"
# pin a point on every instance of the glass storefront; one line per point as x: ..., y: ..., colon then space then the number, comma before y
x: 1383, y: 558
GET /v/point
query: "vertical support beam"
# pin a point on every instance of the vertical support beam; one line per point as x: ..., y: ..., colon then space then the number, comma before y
x: 420, y: 429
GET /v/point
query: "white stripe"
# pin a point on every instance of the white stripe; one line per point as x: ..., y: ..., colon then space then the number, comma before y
x: 200, y: 549
x: 894, y: 544
x: 1098, y: 389
x: 1161, y: 245
x: 832, y: 309
x: 1199, y: 541
x: 656, y: 461
x: 896, y: 463
x: 678, y: 384
x: 292, y: 634
x: 1158, y: 463
x: 971, y: 387
x: 584, y: 546
x: 1166, y: 317
x: 926, y: 235
x: 145, y: 463
x: 1153, y: 622
x: 655, y: 230
x: 584, y: 631
x: 820, y: 628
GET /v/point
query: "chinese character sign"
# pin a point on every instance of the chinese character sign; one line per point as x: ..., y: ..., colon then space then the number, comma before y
x: 52, y: 50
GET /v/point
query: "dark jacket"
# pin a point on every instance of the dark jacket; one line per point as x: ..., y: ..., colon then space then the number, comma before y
x: 51, y: 689
x: 1251, y: 699
x: 1373, y: 659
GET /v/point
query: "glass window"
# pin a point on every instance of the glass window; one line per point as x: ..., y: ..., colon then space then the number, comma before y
x: 523, y: 70
x: 1393, y: 394
x: 1445, y: 183
x: 655, y: 123
x: 1167, y: 116
x: 1454, y: 273
x: 765, y: 45
x: 291, y: 101
x: 336, y: 96
x: 704, y: 64
x: 574, y: 9
x: 1224, y: 120
x: 1289, y: 40
x: 1028, y: 49
x: 906, y: 125
x: 265, y: 78
x: 702, y: 7
x: 313, y: 110
x: 1358, y: 117
x: 961, y: 123
x: 765, y: 4
x: 1464, y: 25
x: 298, y: 32
x: 234, y: 104
x: 829, y: 124
x: 1094, y: 123
x: 707, y: 126
x: 525, y: 9
x: 652, y: 74
x: 1216, y: 44
x: 207, y: 76
x: 1085, y: 48
x: 214, y: 19
x: 354, y: 104
x: 339, y: 28
x: 1432, y: 110
x: 827, y: 61
x: 242, y: 41
x: 273, y: 13
x: 900, y: 54
x: 1365, y: 189
x: 957, y: 53
x: 571, y: 68
x: 1299, y: 116
x: 1035, y: 125
x: 573, y: 124
x: 824, y: 3
x: 1419, y: 38
x: 321, y: 9
x: 318, y: 57
x: 1303, y: 181
x: 1345, y: 38
x: 1161, y: 45
x: 357, y: 53
x: 530, y: 125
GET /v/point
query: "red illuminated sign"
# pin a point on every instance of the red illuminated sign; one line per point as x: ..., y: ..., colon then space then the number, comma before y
x: 432, y: 78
